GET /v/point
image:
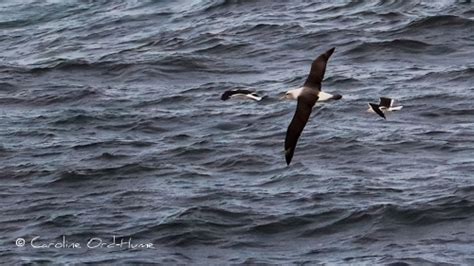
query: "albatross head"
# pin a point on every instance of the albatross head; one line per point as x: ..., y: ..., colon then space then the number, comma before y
x: 292, y: 94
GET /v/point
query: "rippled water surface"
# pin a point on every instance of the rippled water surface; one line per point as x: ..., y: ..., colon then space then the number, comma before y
x: 111, y: 124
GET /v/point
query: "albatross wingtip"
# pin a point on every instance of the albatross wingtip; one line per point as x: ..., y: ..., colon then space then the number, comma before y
x: 288, y: 156
x: 330, y: 51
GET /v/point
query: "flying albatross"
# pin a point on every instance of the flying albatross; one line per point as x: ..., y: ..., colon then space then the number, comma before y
x: 243, y: 94
x: 385, y: 105
x: 307, y: 97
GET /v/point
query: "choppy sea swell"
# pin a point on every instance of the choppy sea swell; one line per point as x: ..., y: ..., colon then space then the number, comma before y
x: 111, y: 124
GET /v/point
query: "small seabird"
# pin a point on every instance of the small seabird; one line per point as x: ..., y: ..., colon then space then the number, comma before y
x: 385, y: 105
x: 242, y: 94
x: 307, y: 97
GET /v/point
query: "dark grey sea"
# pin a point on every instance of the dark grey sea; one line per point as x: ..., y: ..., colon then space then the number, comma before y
x: 115, y: 147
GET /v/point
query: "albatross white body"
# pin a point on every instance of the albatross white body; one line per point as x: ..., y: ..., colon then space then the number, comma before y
x: 384, y: 109
x: 322, y: 96
x: 247, y: 96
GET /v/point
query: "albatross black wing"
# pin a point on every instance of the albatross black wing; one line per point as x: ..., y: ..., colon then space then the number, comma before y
x: 385, y: 102
x: 376, y: 109
x: 318, y: 68
x: 302, y: 113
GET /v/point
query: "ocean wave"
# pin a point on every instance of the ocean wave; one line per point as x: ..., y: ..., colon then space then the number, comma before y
x: 68, y: 96
x: 74, y: 95
x: 343, y: 81
x: 150, y: 127
x: 172, y: 99
x: 443, y: 112
x: 7, y: 87
x: 112, y: 144
x: 266, y: 30
x: 11, y: 100
x: 190, y: 152
x: 437, y: 97
x: 223, y: 48
x: 381, y: 216
x: 438, y: 22
x: 161, y: 65
x: 243, y: 162
x: 72, y: 65
x: 377, y: 217
x: 465, y: 74
x: 220, y: 4
x: 196, y: 225
x: 77, y: 119
x: 399, y: 45
x: 5, y: 152
x: 33, y: 134
x: 80, y: 175
x: 111, y: 156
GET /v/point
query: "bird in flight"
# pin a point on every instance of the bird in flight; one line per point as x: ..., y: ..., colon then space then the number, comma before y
x: 385, y: 105
x: 307, y: 97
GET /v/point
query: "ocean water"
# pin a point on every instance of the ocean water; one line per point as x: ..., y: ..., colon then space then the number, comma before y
x: 116, y: 148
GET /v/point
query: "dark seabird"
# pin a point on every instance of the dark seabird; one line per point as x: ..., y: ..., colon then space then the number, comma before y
x: 307, y: 97
x: 385, y: 105
x: 242, y: 94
